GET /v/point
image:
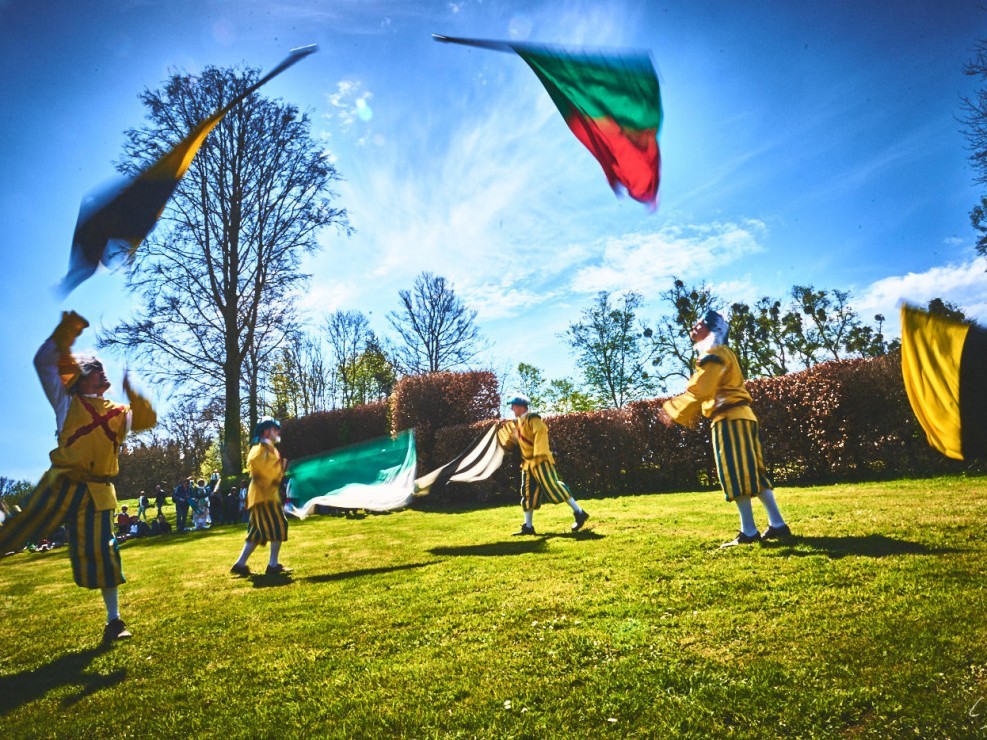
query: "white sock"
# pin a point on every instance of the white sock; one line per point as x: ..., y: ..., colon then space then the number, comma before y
x: 529, y: 517
x: 248, y: 548
x: 574, y: 505
x: 275, y: 549
x: 767, y: 497
x: 112, y: 607
x: 747, y: 525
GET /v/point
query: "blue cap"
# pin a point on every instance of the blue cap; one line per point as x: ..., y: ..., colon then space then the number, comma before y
x: 519, y: 400
x: 262, y: 426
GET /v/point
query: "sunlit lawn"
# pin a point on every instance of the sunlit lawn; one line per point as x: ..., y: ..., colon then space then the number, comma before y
x: 871, y: 623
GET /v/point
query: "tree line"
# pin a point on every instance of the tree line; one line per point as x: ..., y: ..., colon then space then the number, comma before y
x: 216, y: 288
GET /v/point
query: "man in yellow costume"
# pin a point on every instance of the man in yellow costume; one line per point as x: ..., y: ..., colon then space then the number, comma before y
x: 716, y: 390
x: 538, y: 474
x: 267, y: 520
x: 78, y: 488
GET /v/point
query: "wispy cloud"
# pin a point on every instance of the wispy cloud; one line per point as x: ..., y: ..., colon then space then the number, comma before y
x: 641, y: 261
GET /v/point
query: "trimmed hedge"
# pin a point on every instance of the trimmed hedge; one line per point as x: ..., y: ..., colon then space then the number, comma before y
x: 427, y: 403
x: 327, y: 430
x: 839, y: 421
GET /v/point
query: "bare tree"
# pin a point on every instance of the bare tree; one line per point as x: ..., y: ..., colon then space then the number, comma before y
x: 437, y: 330
x: 974, y: 120
x: 229, y: 245
x: 297, y: 380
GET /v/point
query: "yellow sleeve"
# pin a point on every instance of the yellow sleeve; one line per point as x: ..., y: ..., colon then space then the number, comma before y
x: 686, y: 408
x: 505, y: 434
x: 142, y: 413
x: 68, y: 330
x: 540, y: 431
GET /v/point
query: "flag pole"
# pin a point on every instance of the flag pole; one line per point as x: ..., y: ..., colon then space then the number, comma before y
x: 479, y: 43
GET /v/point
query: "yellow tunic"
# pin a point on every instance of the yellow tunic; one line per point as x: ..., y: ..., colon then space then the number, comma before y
x: 90, y: 439
x: 716, y: 390
x: 530, y: 433
x: 266, y: 471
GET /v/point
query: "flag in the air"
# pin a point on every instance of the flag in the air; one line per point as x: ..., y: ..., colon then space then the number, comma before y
x: 475, y: 463
x: 114, y: 220
x: 612, y: 103
x: 944, y: 363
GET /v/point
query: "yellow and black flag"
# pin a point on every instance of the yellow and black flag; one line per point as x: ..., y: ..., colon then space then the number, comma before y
x: 114, y: 220
x: 944, y: 364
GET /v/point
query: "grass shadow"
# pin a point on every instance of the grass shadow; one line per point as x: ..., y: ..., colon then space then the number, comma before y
x: 494, y: 549
x: 870, y: 546
x: 262, y: 580
x: 584, y: 534
x: 22, y: 688
x: 345, y: 575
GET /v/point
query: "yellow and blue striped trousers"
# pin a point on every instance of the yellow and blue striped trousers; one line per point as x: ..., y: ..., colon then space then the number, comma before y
x: 93, y: 549
x: 739, y: 459
x: 542, y: 478
x: 267, y: 523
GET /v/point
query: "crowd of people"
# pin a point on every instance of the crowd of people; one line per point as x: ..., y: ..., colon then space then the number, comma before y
x: 199, y: 504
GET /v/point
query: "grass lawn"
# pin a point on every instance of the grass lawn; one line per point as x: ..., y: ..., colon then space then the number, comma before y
x: 870, y: 623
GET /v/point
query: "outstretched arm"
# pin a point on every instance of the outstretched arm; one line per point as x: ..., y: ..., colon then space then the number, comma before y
x: 54, y: 359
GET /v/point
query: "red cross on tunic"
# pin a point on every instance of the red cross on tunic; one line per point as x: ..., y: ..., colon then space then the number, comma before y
x: 98, y: 420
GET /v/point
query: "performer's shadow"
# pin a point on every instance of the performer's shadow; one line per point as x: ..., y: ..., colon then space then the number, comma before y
x: 870, y: 546
x: 262, y: 580
x: 518, y: 546
x: 345, y: 575
x: 22, y: 688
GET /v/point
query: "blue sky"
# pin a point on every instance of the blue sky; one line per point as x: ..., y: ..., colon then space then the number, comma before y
x: 804, y: 143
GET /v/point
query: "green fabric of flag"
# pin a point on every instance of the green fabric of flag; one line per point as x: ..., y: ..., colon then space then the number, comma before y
x: 377, y: 475
x: 612, y: 103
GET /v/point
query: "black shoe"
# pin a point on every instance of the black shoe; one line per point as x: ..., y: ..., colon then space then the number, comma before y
x: 240, y: 570
x: 115, y: 629
x: 742, y: 539
x: 277, y: 570
x: 776, y: 533
x: 581, y: 517
x: 525, y: 529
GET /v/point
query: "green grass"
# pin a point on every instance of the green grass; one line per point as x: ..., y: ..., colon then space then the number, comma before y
x: 871, y: 623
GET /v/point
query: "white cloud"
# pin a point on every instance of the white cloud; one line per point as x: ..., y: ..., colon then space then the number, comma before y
x: 349, y: 104
x: 641, y: 261
x: 962, y: 284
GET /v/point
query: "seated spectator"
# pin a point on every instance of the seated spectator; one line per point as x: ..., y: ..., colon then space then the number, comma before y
x: 123, y: 521
x: 160, y: 525
x: 59, y: 537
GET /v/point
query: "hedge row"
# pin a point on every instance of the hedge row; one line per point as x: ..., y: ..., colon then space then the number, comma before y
x: 430, y: 402
x: 327, y: 430
x: 839, y: 421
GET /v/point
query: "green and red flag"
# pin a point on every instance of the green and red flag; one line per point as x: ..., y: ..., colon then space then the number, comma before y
x: 115, y: 219
x: 611, y: 102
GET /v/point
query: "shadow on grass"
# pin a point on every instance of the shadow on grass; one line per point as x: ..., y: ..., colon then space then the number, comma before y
x: 519, y: 546
x: 344, y: 575
x: 22, y: 688
x: 871, y: 546
x: 494, y: 549
x: 262, y: 580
